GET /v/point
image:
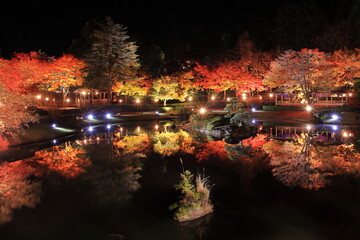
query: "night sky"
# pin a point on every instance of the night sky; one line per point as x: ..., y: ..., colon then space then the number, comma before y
x: 52, y: 25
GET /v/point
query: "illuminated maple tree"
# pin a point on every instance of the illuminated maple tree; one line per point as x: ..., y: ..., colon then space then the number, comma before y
x: 307, y: 72
x: 168, y: 88
x: 65, y: 72
x: 14, y: 113
x: 135, y: 87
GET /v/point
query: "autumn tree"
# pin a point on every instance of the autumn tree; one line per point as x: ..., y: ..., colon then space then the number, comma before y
x: 307, y: 72
x: 168, y: 88
x: 134, y: 87
x: 347, y: 65
x: 65, y: 72
x: 112, y: 56
x: 25, y: 72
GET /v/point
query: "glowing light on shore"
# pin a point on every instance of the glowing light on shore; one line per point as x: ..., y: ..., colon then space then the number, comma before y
x: 156, y: 100
x: 83, y: 93
x: 308, y: 108
x: 213, y: 98
x: 202, y: 111
x: 53, y: 125
x: 271, y: 95
x: 108, y: 126
x: 308, y: 127
x: 334, y: 127
x: 137, y: 101
x: 190, y: 99
x: 228, y: 99
x: 156, y: 127
x: 38, y: 96
x: 108, y: 115
x: 90, y: 129
x: 67, y: 100
x: 90, y: 117
x: 335, y: 117
x: 47, y: 99
x: 138, y: 129
x: 253, y: 109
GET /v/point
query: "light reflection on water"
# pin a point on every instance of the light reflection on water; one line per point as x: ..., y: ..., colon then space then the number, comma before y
x: 122, y: 180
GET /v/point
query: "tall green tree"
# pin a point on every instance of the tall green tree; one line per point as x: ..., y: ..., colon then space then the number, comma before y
x: 112, y: 57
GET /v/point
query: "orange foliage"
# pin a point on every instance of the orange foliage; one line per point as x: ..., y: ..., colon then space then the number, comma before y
x: 16, y: 190
x: 66, y: 160
x: 212, y: 150
x: 64, y: 72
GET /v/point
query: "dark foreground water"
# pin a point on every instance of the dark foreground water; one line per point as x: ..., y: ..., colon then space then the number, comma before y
x: 124, y: 195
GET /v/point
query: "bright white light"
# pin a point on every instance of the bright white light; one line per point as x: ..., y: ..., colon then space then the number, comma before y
x: 334, y: 127
x: 68, y: 100
x: 308, y: 127
x: 253, y: 121
x: 54, y: 125
x: 90, y: 117
x: 228, y: 99
x: 83, y: 93
x: 271, y: 95
x: 137, y: 100
x: 334, y: 117
x: 54, y: 141
x: 190, y: 99
x: 212, y: 98
x: 157, y: 112
x: 91, y: 129
x: 108, y: 115
x: 253, y: 109
x: 156, y: 127
x: 38, y: 96
x: 108, y: 126
x: 202, y: 111
x: 47, y: 99
x: 308, y: 108
x: 345, y: 134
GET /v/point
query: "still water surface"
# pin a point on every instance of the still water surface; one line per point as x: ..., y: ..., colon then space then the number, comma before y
x: 122, y: 183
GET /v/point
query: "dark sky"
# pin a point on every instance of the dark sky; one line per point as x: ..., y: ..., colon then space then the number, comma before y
x: 51, y: 25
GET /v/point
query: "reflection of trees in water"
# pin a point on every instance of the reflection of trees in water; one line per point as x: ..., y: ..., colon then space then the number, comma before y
x: 116, y: 177
x: 66, y: 159
x: 246, y: 158
x: 16, y: 189
x: 297, y: 163
x: 170, y: 143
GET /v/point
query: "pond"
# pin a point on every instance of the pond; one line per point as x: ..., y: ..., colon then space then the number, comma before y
x: 118, y: 183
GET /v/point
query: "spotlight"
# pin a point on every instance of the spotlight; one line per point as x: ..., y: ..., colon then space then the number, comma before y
x: 202, y: 111
x: 91, y: 129
x: 157, y: 112
x: 335, y: 117
x: 108, y: 115
x: 108, y: 126
x: 308, y: 127
x: 253, y: 109
x: 54, y: 141
x: 334, y: 127
x: 54, y: 125
x: 90, y: 117
x: 308, y: 108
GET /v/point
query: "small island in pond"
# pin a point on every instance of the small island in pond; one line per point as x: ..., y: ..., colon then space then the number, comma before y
x: 195, y: 200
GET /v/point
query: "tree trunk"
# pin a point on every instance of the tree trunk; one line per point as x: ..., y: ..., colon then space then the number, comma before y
x: 165, y: 103
x: 224, y: 95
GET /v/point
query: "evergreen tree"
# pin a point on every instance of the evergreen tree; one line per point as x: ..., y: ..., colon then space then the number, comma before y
x: 112, y: 57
